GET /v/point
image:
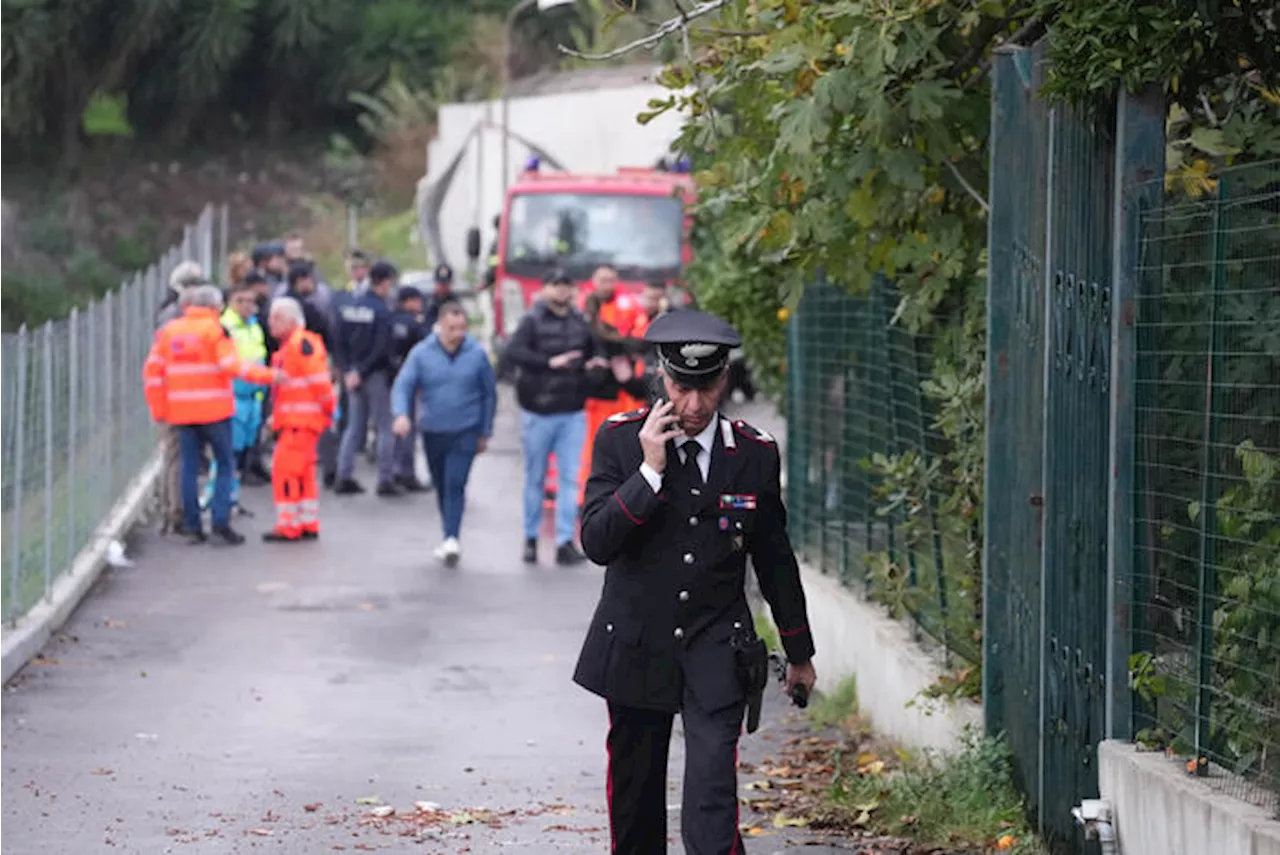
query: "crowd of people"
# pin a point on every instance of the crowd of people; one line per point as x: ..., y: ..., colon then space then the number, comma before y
x: 678, y: 497
x: 278, y: 360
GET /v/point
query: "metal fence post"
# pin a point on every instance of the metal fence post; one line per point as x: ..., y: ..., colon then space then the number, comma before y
x: 1206, y: 581
x: 108, y: 396
x: 47, y: 372
x: 224, y: 219
x: 73, y: 431
x: 1140, y: 124
x: 15, y: 573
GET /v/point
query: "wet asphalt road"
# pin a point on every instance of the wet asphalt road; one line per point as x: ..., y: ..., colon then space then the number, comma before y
x: 254, y: 699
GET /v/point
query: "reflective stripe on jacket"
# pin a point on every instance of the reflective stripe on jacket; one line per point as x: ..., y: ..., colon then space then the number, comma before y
x: 187, y: 376
x: 304, y: 395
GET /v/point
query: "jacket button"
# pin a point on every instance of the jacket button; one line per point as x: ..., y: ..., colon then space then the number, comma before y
x: 608, y: 627
x: 684, y: 596
x: 688, y: 558
x: 679, y: 633
x: 696, y: 492
x: 693, y: 520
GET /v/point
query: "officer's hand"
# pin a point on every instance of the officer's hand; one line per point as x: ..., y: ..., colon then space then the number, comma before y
x: 659, y: 426
x: 482, y: 445
x: 623, y: 371
x: 801, y: 675
x: 401, y: 426
x: 563, y: 360
x: 352, y: 379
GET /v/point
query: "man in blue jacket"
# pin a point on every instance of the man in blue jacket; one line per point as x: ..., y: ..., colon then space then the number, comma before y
x: 362, y: 350
x: 451, y: 372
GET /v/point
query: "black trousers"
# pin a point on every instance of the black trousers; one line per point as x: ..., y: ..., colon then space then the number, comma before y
x: 636, y: 780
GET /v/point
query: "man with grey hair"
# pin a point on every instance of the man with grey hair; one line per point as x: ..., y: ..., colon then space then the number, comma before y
x: 186, y: 274
x: 188, y: 384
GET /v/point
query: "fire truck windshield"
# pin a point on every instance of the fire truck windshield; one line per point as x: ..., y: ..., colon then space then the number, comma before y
x: 639, y: 236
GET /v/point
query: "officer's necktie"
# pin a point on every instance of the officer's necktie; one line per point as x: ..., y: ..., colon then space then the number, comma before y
x: 691, y: 451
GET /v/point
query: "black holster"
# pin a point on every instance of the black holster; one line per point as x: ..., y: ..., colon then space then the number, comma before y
x: 751, y: 661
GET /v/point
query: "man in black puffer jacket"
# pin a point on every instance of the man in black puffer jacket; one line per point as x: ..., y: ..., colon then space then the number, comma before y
x: 555, y: 356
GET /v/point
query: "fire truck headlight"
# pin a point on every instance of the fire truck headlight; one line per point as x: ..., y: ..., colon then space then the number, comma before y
x: 513, y: 307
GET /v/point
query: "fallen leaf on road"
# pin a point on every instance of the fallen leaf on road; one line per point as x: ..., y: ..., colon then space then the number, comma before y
x: 111, y: 623
x: 369, y: 800
x: 43, y: 660
x: 367, y: 607
x: 1006, y: 842
x: 313, y: 807
x: 872, y: 769
x: 384, y: 810
x: 103, y: 772
x: 753, y: 831
x: 261, y: 832
x: 781, y: 821
x: 426, y: 807
x: 758, y: 785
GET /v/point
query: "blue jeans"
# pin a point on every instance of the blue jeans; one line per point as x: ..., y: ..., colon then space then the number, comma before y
x: 449, y: 458
x: 541, y: 434
x: 191, y: 442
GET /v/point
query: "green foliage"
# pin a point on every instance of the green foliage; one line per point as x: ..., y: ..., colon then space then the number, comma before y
x: 828, y: 709
x: 1184, y: 46
x: 961, y: 801
x: 183, y: 70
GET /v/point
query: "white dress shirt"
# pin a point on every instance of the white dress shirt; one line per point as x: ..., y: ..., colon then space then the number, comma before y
x: 706, y: 439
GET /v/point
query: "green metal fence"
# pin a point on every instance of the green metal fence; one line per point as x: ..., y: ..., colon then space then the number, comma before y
x: 863, y: 485
x: 1207, y: 486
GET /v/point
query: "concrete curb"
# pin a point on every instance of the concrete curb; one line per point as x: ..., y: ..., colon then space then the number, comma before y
x: 35, y: 628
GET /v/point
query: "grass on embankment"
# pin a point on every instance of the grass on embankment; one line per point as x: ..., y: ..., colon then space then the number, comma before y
x: 963, y: 802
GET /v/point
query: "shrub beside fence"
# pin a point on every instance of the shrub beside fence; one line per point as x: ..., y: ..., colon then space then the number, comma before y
x: 75, y: 425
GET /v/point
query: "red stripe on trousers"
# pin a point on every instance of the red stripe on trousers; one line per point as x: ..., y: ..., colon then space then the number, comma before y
x: 608, y: 783
x: 737, y: 805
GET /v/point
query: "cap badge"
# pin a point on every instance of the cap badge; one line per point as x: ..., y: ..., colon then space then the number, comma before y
x: 691, y: 353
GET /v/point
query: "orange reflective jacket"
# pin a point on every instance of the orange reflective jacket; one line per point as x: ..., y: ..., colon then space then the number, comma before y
x: 304, y: 395
x: 187, y: 376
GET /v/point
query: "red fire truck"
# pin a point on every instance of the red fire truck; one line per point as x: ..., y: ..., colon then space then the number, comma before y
x: 636, y: 221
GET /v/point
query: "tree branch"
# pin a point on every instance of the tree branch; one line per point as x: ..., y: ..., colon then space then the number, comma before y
x: 977, y: 197
x: 666, y: 28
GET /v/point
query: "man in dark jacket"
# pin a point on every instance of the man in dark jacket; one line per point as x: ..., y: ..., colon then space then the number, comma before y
x: 362, y: 350
x: 679, y: 497
x: 407, y: 329
x: 443, y: 293
x: 553, y: 351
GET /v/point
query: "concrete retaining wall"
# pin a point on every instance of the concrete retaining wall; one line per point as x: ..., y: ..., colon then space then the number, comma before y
x: 854, y: 637
x: 28, y: 636
x: 1160, y: 810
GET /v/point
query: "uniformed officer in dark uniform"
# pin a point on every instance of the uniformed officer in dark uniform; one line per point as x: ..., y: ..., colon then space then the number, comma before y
x: 407, y: 329
x: 679, y: 496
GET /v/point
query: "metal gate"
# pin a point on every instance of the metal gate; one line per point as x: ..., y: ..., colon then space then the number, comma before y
x: 1050, y: 619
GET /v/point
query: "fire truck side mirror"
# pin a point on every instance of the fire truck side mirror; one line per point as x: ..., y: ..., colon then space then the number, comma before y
x: 473, y: 243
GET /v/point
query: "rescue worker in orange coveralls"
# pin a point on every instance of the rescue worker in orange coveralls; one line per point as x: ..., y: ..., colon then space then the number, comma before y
x: 304, y: 404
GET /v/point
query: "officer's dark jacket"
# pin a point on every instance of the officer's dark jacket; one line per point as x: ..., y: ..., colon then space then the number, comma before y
x: 676, y: 567
x: 541, y: 335
x: 431, y: 312
x: 407, y: 329
x: 313, y: 317
x: 362, y: 340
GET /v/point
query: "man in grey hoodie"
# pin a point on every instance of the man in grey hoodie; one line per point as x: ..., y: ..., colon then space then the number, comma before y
x: 451, y: 371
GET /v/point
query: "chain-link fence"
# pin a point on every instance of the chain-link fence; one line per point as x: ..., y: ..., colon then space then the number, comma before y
x: 870, y: 498
x: 1207, y: 485
x: 75, y: 426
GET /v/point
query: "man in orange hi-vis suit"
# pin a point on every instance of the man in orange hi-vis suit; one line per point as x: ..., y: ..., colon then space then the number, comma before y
x: 303, y: 408
x: 187, y: 381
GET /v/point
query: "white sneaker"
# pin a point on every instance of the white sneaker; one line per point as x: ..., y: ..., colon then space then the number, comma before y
x: 449, y: 551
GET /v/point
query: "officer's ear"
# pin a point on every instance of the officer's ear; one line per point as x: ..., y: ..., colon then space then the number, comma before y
x: 307, y: 349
